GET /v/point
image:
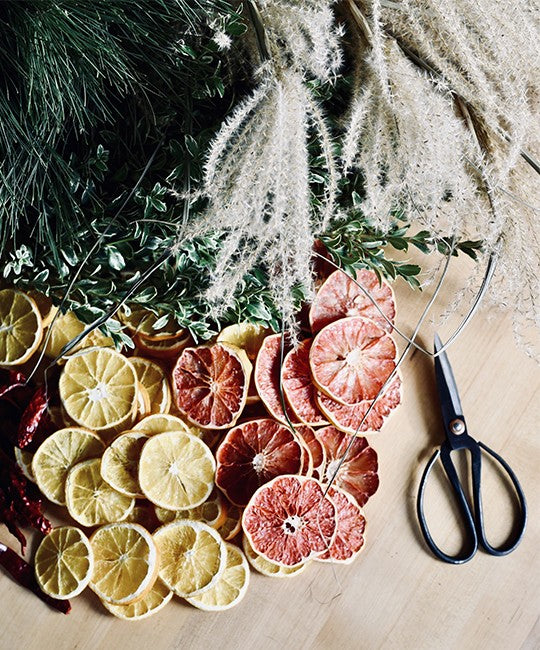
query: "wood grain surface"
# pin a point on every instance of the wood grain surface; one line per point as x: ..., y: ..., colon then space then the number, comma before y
x: 396, y: 595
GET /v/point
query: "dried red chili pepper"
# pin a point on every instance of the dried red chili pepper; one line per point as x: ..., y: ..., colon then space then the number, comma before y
x: 13, y: 387
x: 35, y: 418
x: 23, y: 573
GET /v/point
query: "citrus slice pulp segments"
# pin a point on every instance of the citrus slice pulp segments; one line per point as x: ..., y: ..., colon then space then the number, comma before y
x: 211, y: 385
x: 340, y: 297
x: 350, y: 536
x: 232, y: 525
x: 90, y: 500
x: 192, y: 556
x: 99, y: 389
x: 56, y: 456
x: 348, y: 417
x: 21, y: 327
x: 290, y: 520
x: 120, y: 463
x: 267, y: 568
x: 246, y: 336
x: 151, y: 603
x: 317, y: 451
x: 176, y: 470
x: 126, y: 562
x: 231, y: 586
x: 160, y: 423
x: 153, y: 379
x: 267, y: 379
x: 143, y: 322
x: 64, y: 562
x: 212, y: 512
x: 252, y: 454
x: 298, y: 385
x: 351, y: 359
x: 358, y: 473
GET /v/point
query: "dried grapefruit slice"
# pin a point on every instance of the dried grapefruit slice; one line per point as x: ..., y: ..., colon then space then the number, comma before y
x: 267, y: 379
x: 211, y: 385
x: 21, y: 327
x: 358, y: 472
x: 298, y: 385
x: 351, y: 359
x: 347, y: 417
x: 350, y: 536
x: 290, y: 520
x: 317, y: 451
x: 252, y: 454
x: 340, y: 297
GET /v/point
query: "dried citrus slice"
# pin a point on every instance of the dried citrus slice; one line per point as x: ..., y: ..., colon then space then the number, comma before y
x: 211, y: 384
x: 160, y: 423
x: 64, y: 328
x: 24, y: 461
x: 57, y: 454
x: 316, y: 449
x: 154, y: 327
x: 351, y: 359
x: 153, y: 379
x: 358, y: 473
x: 348, y: 417
x: 350, y: 536
x: 126, y: 562
x: 90, y: 500
x: 307, y: 459
x: 143, y: 402
x: 340, y: 297
x: 64, y: 562
x: 151, y: 603
x: 290, y: 520
x: 298, y: 385
x: 246, y: 336
x: 143, y: 513
x: 267, y: 568
x: 21, y: 327
x: 167, y: 349
x: 192, y: 556
x: 230, y: 587
x: 267, y: 379
x: 120, y: 463
x: 45, y: 305
x: 176, y: 470
x: 99, y: 389
x: 232, y: 525
x: 252, y: 454
x: 212, y: 512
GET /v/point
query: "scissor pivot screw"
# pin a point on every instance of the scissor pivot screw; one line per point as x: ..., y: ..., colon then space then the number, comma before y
x: 457, y: 427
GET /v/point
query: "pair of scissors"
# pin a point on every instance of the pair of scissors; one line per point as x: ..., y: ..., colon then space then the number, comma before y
x: 457, y: 438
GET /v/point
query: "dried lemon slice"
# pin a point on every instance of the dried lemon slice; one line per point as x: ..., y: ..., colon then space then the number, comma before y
x: 120, y: 461
x: 149, y: 604
x: 231, y: 586
x: 65, y: 328
x: 176, y: 470
x: 267, y: 568
x: 90, y: 500
x: 247, y: 336
x: 57, y: 454
x: 162, y: 422
x: 64, y: 562
x: 21, y: 327
x: 192, y: 556
x: 98, y: 389
x: 126, y: 563
x: 213, y: 511
x: 152, y: 377
x: 24, y: 461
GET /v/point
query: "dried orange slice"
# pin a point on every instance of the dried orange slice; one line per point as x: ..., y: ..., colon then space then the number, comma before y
x: 21, y: 327
x: 351, y: 359
x: 358, y: 473
x: 230, y: 587
x: 289, y: 520
x: 211, y: 384
x: 98, y: 389
x: 232, y: 525
x: 167, y: 349
x: 351, y: 529
x: 176, y: 470
x: 340, y: 297
x: 126, y: 563
x: 246, y: 336
x: 267, y: 568
x: 145, y: 323
x: 252, y: 454
x: 120, y: 463
x: 153, y: 379
x: 150, y: 604
x: 45, y: 306
x: 298, y: 385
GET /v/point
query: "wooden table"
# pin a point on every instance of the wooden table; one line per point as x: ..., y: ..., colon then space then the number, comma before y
x: 396, y: 595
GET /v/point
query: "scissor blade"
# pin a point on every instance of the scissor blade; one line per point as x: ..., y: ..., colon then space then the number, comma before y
x: 446, y: 384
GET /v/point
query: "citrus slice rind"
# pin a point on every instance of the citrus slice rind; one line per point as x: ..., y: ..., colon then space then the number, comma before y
x: 151, y: 603
x: 340, y: 297
x: 64, y: 562
x: 231, y: 586
x: 192, y: 556
x: 252, y: 454
x: 126, y: 562
x: 351, y: 529
x: 176, y: 470
x: 351, y: 359
x: 98, y: 389
x: 58, y: 454
x: 267, y: 568
x: 21, y: 327
x: 120, y: 463
x: 316, y: 449
x: 211, y: 384
x: 153, y: 379
x: 289, y: 520
x: 90, y: 500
